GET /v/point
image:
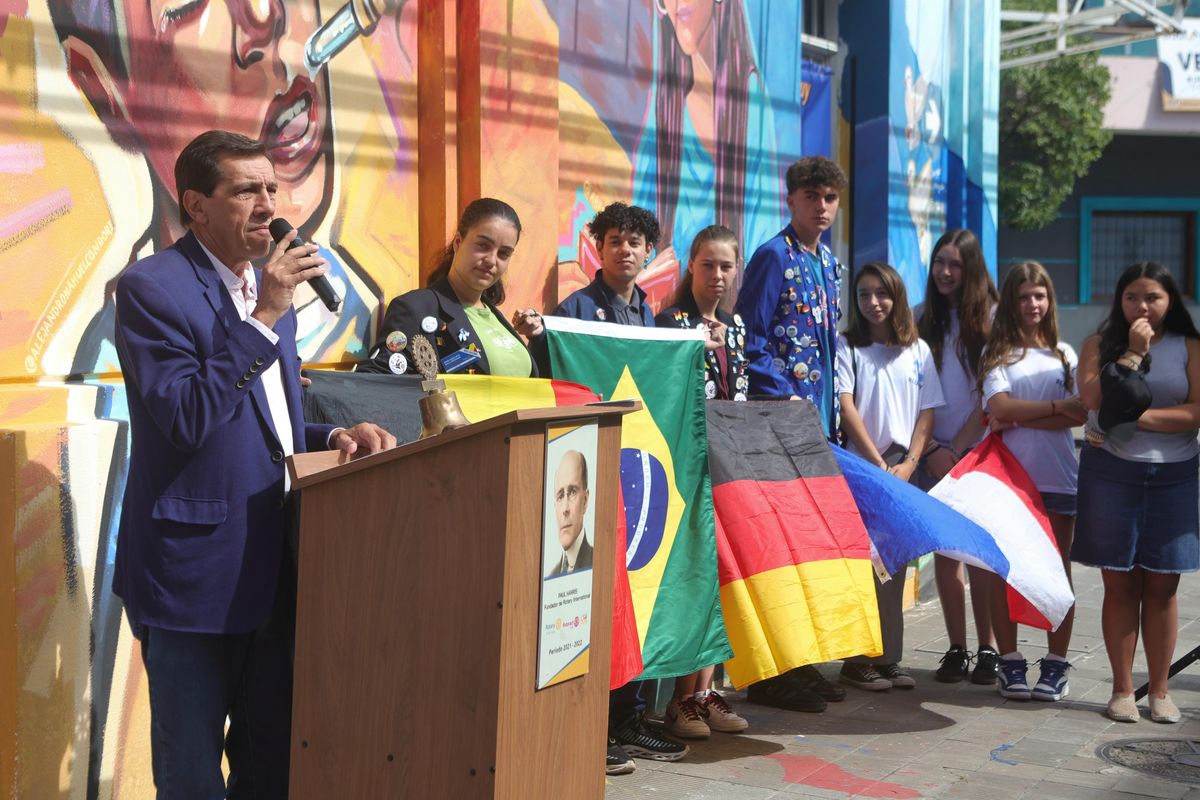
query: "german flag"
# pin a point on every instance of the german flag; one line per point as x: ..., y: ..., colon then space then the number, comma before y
x: 793, y: 555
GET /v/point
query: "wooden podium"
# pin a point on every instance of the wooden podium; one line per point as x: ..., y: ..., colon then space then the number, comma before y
x: 417, y: 620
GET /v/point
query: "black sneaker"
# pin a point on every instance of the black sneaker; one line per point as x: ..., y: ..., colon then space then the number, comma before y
x: 954, y: 666
x: 640, y: 742
x: 987, y: 666
x: 863, y: 676
x: 898, y: 675
x: 618, y: 761
x: 809, y: 679
x: 779, y: 692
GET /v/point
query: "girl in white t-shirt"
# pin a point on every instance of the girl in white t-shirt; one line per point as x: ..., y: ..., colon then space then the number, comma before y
x: 956, y: 319
x: 889, y: 388
x: 1027, y: 379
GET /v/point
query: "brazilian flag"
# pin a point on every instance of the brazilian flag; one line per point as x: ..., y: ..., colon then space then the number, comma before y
x: 671, y: 549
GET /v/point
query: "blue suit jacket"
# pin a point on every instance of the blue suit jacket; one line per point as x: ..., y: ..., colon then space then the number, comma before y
x: 204, y: 523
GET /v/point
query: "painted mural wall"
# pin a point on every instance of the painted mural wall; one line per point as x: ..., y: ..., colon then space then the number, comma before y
x: 700, y: 108
x: 694, y: 113
x: 922, y: 96
x: 96, y: 100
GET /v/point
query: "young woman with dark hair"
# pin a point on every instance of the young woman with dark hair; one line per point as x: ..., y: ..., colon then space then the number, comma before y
x: 1138, y: 485
x: 1027, y: 380
x: 459, y: 310
x: 889, y: 389
x: 955, y: 320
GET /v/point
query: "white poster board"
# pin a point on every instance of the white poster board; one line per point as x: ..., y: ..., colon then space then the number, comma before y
x: 1179, y: 66
x: 568, y: 531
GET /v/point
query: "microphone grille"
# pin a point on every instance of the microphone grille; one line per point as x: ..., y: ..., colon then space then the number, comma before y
x: 279, y: 228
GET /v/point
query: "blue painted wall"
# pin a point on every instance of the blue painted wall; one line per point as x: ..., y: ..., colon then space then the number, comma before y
x: 921, y: 94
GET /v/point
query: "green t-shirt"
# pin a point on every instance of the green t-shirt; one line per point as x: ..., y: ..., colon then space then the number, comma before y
x: 505, y: 353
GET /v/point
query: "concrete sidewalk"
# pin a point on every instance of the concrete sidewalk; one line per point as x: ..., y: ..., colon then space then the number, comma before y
x: 952, y: 741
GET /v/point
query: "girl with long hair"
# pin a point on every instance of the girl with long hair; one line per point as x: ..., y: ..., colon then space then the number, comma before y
x: 458, y: 311
x: 956, y: 320
x: 1027, y: 380
x: 696, y: 709
x: 1138, y: 486
x: 889, y: 389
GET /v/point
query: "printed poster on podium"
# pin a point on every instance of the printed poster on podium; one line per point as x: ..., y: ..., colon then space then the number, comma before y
x: 568, y: 540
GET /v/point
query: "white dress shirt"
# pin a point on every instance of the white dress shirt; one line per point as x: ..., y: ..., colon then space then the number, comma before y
x: 244, y: 292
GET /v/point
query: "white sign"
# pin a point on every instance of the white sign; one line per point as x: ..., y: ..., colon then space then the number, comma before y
x: 1179, y: 66
x: 568, y: 539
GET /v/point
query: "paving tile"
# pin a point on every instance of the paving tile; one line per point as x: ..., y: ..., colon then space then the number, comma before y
x: 1089, y: 772
x: 1152, y: 788
x: 942, y: 740
x: 1051, y: 790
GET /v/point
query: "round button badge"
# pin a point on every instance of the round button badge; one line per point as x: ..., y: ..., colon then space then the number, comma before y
x: 396, y: 341
x: 398, y: 364
x: 429, y: 324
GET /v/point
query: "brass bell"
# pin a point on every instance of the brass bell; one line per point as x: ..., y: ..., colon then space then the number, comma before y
x: 440, y: 410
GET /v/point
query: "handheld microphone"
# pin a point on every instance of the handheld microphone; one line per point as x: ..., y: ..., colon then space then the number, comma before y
x: 280, y: 228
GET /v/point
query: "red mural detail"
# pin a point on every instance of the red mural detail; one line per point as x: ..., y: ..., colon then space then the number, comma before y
x: 822, y: 774
x: 11, y: 8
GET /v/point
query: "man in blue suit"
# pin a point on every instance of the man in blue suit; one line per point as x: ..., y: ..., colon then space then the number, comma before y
x: 207, y: 347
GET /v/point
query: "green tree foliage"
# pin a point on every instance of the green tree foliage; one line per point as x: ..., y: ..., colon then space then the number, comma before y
x: 1050, y: 118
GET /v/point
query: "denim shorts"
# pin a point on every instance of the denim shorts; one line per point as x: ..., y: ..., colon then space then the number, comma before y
x: 1137, y: 514
x: 1059, y: 503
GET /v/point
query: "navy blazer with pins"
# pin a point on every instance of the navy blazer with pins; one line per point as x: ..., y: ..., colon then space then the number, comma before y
x: 452, y: 330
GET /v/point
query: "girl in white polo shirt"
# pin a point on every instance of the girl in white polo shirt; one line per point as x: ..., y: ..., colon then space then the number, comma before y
x: 889, y: 388
x: 956, y: 320
x: 1027, y: 379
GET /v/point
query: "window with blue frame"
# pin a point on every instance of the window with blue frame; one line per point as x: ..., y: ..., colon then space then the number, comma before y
x: 1115, y: 232
x: 1120, y: 238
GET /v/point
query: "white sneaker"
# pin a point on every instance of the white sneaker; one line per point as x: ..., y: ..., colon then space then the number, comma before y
x: 720, y: 716
x: 685, y: 720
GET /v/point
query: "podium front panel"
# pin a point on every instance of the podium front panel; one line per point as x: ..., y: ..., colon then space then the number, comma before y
x: 417, y: 616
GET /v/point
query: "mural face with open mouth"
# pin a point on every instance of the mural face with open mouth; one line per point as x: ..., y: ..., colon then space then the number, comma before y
x: 196, y: 65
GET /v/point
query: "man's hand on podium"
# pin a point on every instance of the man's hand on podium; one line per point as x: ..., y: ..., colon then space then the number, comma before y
x: 363, y: 435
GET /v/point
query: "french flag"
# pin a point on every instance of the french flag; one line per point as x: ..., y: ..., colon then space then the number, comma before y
x: 990, y: 488
x: 986, y: 513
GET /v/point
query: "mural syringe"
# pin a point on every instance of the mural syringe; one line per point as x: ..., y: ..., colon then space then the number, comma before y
x: 356, y: 18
